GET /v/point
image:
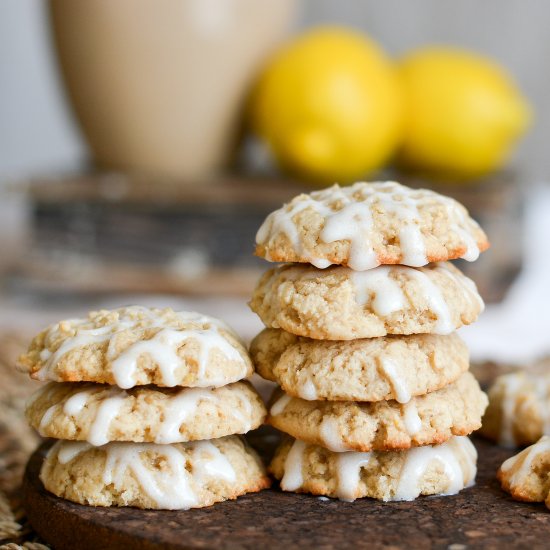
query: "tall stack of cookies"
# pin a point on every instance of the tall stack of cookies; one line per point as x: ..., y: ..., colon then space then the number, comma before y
x: 145, y: 404
x: 374, y: 396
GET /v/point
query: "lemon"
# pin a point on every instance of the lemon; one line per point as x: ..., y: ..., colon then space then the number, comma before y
x: 328, y: 106
x: 464, y: 113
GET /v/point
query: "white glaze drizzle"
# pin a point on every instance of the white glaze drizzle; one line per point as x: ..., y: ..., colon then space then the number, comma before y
x: 307, y: 390
x: 525, y: 460
x: 411, y: 419
x: 411, y: 240
x: 435, y: 301
x: 69, y: 450
x: 293, y: 477
x: 348, y: 216
x: 162, y: 347
x: 472, y: 249
x: 82, y: 338
x: 412, y: 245
x: 457, y: 456
x: 170, y: 488
x: 107, y: 411
x: 379, y: 289
x: 284, y: 223
x: 352, y: 223
x: 382, y: 292
x: 177, y: 410
x: 330, y: 435
x: 76, y: 403
x: 398, y: 384
x: 349, y: 466
x: 46, y: 419
x: 209, y: 462
x: 47, y: 394
x: 280, y: 405
x: 419, y: 459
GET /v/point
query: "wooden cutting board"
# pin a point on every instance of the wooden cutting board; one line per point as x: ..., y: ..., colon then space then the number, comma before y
x: 480, y: 517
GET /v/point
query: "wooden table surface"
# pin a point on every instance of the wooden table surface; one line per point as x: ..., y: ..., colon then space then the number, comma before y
x: 479, y: 517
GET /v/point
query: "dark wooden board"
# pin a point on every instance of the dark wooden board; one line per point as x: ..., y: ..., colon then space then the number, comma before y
x: 480, y: 517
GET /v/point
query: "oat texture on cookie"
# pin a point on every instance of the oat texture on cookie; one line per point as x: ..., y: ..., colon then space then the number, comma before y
x: 361, y: 317
x: 367, y: 224
x: 147, y: 406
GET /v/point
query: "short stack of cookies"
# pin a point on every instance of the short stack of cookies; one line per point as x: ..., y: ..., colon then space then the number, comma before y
x: 374, y: 396
x: 145, y: 404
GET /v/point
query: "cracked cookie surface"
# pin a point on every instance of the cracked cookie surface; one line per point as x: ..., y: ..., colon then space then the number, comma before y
x: 427, y: 419
x: 367, y: 224
x: 442, y: 469
x: 146, y: 475
x: 134, y: 346
x: 101, y: 414
x: 341, y: 304
x: 368, y: 369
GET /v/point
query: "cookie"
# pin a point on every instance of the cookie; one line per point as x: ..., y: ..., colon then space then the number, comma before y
x: 340, y: 426
x: 146, y: 475
x: 134, y: 346
x: 526, y: 476
x: 369, y: 369
x: 444, y: 469
x: 519, y: 409
x: 367, y: 224
x: 341, y: 304
x: 100, y: 414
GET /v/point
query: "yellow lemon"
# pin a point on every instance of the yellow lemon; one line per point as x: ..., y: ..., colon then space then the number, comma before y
x: 329, y: 106
x: 464, y: 113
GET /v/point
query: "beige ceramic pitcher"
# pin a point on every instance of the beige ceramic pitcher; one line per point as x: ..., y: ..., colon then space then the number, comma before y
x: 158, y: 85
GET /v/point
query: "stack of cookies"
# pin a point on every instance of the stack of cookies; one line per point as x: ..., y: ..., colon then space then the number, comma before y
x: 145, y: 404
x: 375, y: 392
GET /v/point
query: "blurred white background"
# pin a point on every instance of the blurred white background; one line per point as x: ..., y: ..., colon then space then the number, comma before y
x: 37, y: 133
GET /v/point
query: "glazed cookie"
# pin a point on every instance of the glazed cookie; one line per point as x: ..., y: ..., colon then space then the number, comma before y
x: 444, y: 469
x: 146, y: 475
x: 526, y: 476
x: 341, y: 304
x: 519, y: 409
x: 368, y: 224
x: 100, y: 414
x: 370, y: 369
x: 340, y: 426
x: 134, y: 346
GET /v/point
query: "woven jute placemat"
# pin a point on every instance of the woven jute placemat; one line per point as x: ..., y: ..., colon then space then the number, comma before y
x: 17, y: 441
